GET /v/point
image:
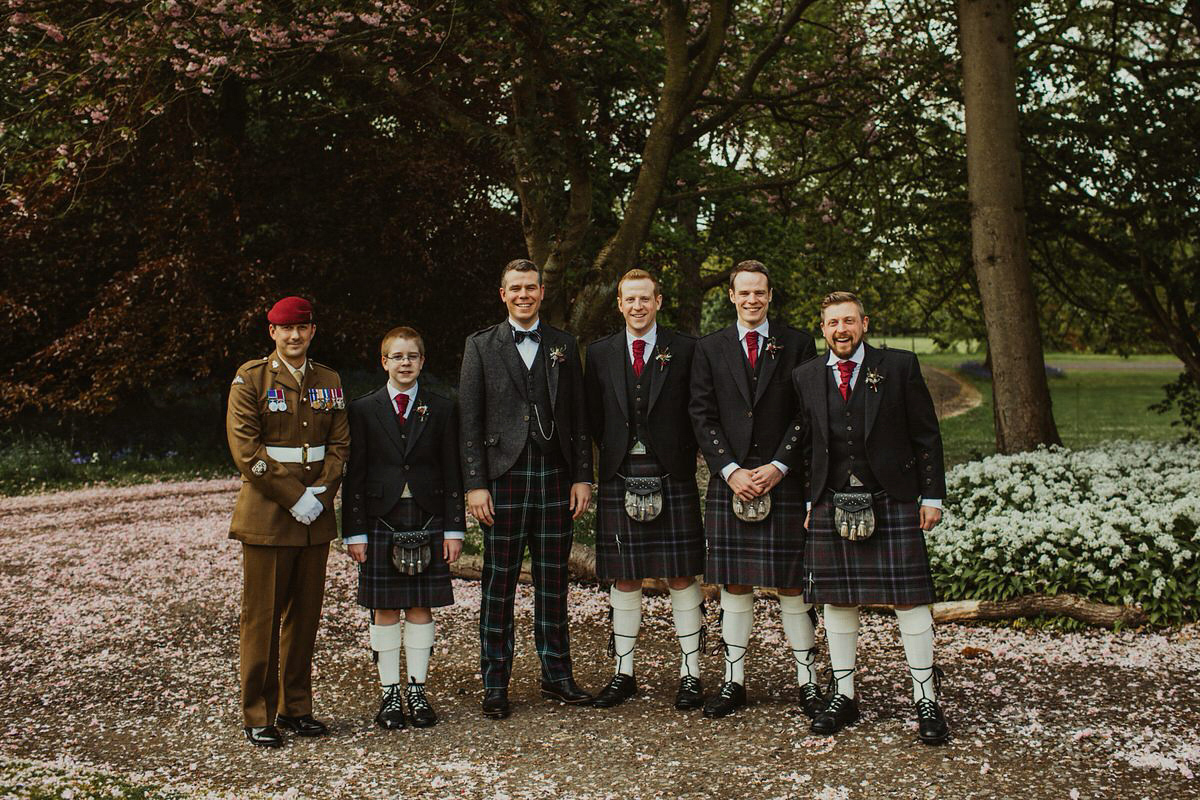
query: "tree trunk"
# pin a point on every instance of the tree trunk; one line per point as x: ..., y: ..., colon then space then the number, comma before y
x: 1021, y: 396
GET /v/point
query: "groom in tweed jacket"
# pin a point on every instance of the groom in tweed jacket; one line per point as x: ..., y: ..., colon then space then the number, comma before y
x: 527, y: 469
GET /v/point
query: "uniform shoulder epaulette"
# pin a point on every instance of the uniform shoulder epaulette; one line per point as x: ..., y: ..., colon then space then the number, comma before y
x: 254, y: 363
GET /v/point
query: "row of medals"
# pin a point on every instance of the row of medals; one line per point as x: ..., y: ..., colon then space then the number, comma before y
x: 319, y: 399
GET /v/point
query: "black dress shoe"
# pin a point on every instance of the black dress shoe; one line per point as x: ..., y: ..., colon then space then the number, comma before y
x: 931, y: 725
x: 812, y: 702
x: 619, y: 689
x: 566, y: 691
x: 840, y: 712
x: 263, y: 736
x: 419, y: 710
x: 304, y: 724
x: 690, y: 695
x: 495, y: 703
x: 729, y: 698
x: 391, y: 709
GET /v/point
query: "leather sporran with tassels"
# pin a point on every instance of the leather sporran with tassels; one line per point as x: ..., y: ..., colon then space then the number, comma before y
x: 643, y: 498
x: 755, y: 510
x: 854, y: 515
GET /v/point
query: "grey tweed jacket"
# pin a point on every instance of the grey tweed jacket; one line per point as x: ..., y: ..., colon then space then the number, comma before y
x: 494, y: 409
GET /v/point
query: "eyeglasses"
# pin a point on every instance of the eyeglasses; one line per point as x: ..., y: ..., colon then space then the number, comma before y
x: 411, y: 358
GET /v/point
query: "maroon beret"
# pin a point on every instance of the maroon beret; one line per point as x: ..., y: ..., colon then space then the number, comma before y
x: 290, y: 311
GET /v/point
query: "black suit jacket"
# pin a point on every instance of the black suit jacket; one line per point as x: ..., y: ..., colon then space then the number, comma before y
x: 494, y: 411
x: 729, y: 420
x: 669, y: 428
x: 903, y: 440
x: 381, y: 463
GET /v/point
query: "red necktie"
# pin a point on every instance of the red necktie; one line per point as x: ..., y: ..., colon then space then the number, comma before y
x: 752, y: 348
x: 401, y: 407
x: 846, y: 368
x: 639, y: 356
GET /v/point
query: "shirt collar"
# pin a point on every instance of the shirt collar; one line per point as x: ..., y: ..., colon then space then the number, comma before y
x: 298, y: 374
x: 650, y: 338
x: 761, y: 329
x: 537, y: 323
x: 393, y: 391
x: 857, y: 357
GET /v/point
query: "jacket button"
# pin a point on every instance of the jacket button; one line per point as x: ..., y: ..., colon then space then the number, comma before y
x: 468, y: 444
x: 749, y: 413
x: 793, y: 438
x: 721, y: 450
x: 787, y: 447
x: 716, y: 441
x: 527, y: 418
x: 472, y: 472
x: 358, y: 497
x: 407, y: 467
x: 304, y: 424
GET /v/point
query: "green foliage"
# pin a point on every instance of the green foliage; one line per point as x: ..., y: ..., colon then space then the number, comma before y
x: 1183, y: 395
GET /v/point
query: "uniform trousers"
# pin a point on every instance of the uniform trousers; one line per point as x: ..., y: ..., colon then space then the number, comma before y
x: 282, y: 591
x: 532, y: 507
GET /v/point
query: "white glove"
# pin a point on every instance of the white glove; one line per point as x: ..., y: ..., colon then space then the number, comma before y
x: 308, y: 507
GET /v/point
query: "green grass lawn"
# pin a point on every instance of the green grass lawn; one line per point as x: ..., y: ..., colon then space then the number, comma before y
x: 1089, y: 407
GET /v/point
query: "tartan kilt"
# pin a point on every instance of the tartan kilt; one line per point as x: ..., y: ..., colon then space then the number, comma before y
x: 670, y: 545
x: 381, y: 585
x: 890, y: 568
x: 766, y: 553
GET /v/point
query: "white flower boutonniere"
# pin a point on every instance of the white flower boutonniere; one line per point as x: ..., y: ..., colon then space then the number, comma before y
x: 558, y: 355
x: 663, y: 358
x: 773, y: 347
x: 874, y: 379
x: 422, y: 410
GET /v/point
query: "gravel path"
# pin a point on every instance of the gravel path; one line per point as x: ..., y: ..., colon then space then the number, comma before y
x: 118, y: 650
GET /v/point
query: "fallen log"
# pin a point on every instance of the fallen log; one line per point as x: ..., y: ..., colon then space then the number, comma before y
x: 1032, y: 605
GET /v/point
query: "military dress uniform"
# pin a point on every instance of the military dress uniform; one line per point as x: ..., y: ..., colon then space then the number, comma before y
x: 285, y: 435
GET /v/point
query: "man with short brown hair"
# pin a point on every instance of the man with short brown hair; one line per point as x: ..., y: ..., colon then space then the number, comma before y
x: 287, y: 431
x: 742, y: 408
x: 876, y: 483
x: 527, y: 469
x: 648, y: 519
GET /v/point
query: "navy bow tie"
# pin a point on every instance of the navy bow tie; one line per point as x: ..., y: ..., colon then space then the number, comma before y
x: 520, y: 336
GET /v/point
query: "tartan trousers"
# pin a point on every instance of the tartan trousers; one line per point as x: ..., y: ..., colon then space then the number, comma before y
x: 532, y: 506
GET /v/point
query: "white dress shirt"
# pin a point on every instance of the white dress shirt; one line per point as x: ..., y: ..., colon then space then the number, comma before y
x: 527, y: 348
x: 412, y: 401
x: 763, y: 333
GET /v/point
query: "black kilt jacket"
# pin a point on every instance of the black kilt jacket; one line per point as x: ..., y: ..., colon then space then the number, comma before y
x: 903, y: 441
x: 734, y: 423
x: 383, y: 458
x: 494, y: 406
x: 669, y: 430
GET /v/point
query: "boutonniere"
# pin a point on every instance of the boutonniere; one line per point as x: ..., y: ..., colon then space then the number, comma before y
x: 873, y: 379
x: 422, y: 410
x: 558, y: 355
x: 663, y: 358
x: 773, y: 347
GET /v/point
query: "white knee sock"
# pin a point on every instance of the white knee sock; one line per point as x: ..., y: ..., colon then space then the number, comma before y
x: 386, y: 641
x: 841, y: 631
x: 801, y: 636
x: 418, y: 646
x: 626, y: 622
x: 737, y: 618
x: 689, y: 625
x: 916, y: 632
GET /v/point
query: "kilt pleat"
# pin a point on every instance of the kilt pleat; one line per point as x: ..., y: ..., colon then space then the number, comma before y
x: 381, y: 585
x: 766, y: 553
x: 671, y: 545
x: 890, y: 568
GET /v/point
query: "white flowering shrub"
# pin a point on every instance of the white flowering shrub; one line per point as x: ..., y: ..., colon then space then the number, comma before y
x: 1119, y: 523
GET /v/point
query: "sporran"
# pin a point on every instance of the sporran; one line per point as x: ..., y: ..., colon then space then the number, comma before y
x: 854, y: 515
x: 411, y: 551
x: 643, y: 498
x: 755, y: 510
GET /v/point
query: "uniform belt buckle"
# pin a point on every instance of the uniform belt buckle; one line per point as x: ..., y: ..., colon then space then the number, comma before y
x: 304, y: 454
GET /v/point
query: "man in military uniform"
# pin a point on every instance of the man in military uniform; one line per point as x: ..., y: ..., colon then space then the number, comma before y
x: 287, y: 430
x: 743, y: 407
x: 873, y: 443
x: 648, y: 519
x: 527, y: 469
